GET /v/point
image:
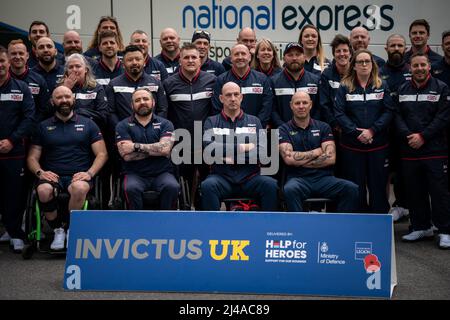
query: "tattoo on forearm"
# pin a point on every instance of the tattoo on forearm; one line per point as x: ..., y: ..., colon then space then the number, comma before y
x: 330, y: 150
x: 300, y: 156
x: 155, y: 148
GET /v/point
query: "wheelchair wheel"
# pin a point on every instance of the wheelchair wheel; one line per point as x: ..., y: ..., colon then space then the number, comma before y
x: 28, y: 251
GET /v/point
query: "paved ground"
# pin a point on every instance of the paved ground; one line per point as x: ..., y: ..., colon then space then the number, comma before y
x: 423, y: 273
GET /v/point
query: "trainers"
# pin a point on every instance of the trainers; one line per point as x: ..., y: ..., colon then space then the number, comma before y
x: 5, y: 237
x: 58, y: 241
x: 398, y: 213
x: 418, y: 235
x: 444, y: 241
x: 17, y: 245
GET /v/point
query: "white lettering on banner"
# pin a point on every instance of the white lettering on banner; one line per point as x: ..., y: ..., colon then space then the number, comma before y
x: 73, y: 281
x: 221, y: 131
x: 354, y: 97
x: 86, y: 96
x: 123, y: 89
x: 243, y: 130
x: 103, y: 82
x: 252, y: 90
x: 35, y: 90
x: 407, y: 97
x: 284, y: 91
x: 429, y: 97
x: 202, y: 95
x: 180, y: 97
x: 11, y: 97
x: 334, y: 84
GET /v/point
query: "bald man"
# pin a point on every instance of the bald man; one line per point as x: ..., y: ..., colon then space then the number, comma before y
x: 247, y: 37
x: 235, y: 172
x: 170, y: 50
x: 48, y: 67
x: 360, y: 39
x: 255, y: 86
x: 308, y: 150
x: 72, y: 158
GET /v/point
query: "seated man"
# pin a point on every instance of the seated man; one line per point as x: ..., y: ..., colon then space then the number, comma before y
x: 73, y: 152
x: 145, y: 141
x: 308, y: 150
x: 231, y: 175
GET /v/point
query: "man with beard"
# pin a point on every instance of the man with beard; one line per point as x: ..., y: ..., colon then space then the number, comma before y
x: 108, y: 65
x: 201, y: 39
x: 170, y: 50
x: 144, y: 141
x: 395, y: 72
x: 419, y: 33
x: 37, y: 30
x: 16, y: 123
x: 423, y: 112
x: 360, y: 39
x: 66, y: 154
x: 49, y: 68
x: 255, y: 86
x: 294, y: 78
x: 308, y: 150
x: 120, y: 89
x: 72, y: 44
x: 151, y: 66
x: 18, y: 56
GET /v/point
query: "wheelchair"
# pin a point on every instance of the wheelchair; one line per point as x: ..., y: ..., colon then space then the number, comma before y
x: 150, y: 197
x: 36, y: 229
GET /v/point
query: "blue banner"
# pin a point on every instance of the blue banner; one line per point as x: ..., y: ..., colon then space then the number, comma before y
x: 267, y: 253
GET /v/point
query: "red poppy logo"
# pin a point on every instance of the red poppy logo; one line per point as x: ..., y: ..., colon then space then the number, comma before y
x: 371, y: 263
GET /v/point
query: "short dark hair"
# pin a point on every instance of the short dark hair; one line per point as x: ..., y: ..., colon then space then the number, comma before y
x: 39, y: 23
x: 131, y: 48
x: 107, y: 34
x: 445, y: 34
x: 419, y: 54
x: 420, y: 22
x: 3, y: 50
x: 338, y: 40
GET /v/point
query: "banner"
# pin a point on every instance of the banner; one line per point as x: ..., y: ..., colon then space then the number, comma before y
x: 262, y: 253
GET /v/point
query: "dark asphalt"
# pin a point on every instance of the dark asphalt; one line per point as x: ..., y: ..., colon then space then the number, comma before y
x: 423, y: 273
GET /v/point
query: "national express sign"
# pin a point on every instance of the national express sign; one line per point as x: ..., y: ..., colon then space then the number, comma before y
x: 273, y: 15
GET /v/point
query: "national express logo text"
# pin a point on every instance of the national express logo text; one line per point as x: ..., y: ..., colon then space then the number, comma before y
x: 263, y: 15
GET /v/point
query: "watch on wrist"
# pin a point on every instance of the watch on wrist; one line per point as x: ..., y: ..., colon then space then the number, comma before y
x: 38, y: 173
x: 137, y: 147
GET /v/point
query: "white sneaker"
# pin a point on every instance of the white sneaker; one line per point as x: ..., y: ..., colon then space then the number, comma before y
x: 418, y: 235
x: 398, y: 213
x: 5, y: 237
x: 17, y: 245
x: 444, y: 241
x: 58, y: 241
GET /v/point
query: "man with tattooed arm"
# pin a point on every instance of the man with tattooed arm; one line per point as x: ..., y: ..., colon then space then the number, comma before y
x: 308, y: 150
x: 144, y: 141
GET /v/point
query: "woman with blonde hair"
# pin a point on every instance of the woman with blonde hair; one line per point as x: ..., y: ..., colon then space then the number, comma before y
x: 90, y: 97
x: 315, y: 60
x: 266, y: 59
x: 106, y: 23
x: 364, y: 110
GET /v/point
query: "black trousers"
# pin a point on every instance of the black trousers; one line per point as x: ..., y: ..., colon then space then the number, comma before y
x: 12, y: 195
x: 371, y: 170
x: 427, y: 181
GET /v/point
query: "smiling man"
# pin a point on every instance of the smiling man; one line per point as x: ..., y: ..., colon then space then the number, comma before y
x: 421, y: 118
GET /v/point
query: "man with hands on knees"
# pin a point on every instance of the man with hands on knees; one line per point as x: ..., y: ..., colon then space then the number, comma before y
x: 66, y: 153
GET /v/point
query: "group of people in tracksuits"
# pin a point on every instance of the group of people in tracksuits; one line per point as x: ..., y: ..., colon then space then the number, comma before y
x: 356, y: 117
